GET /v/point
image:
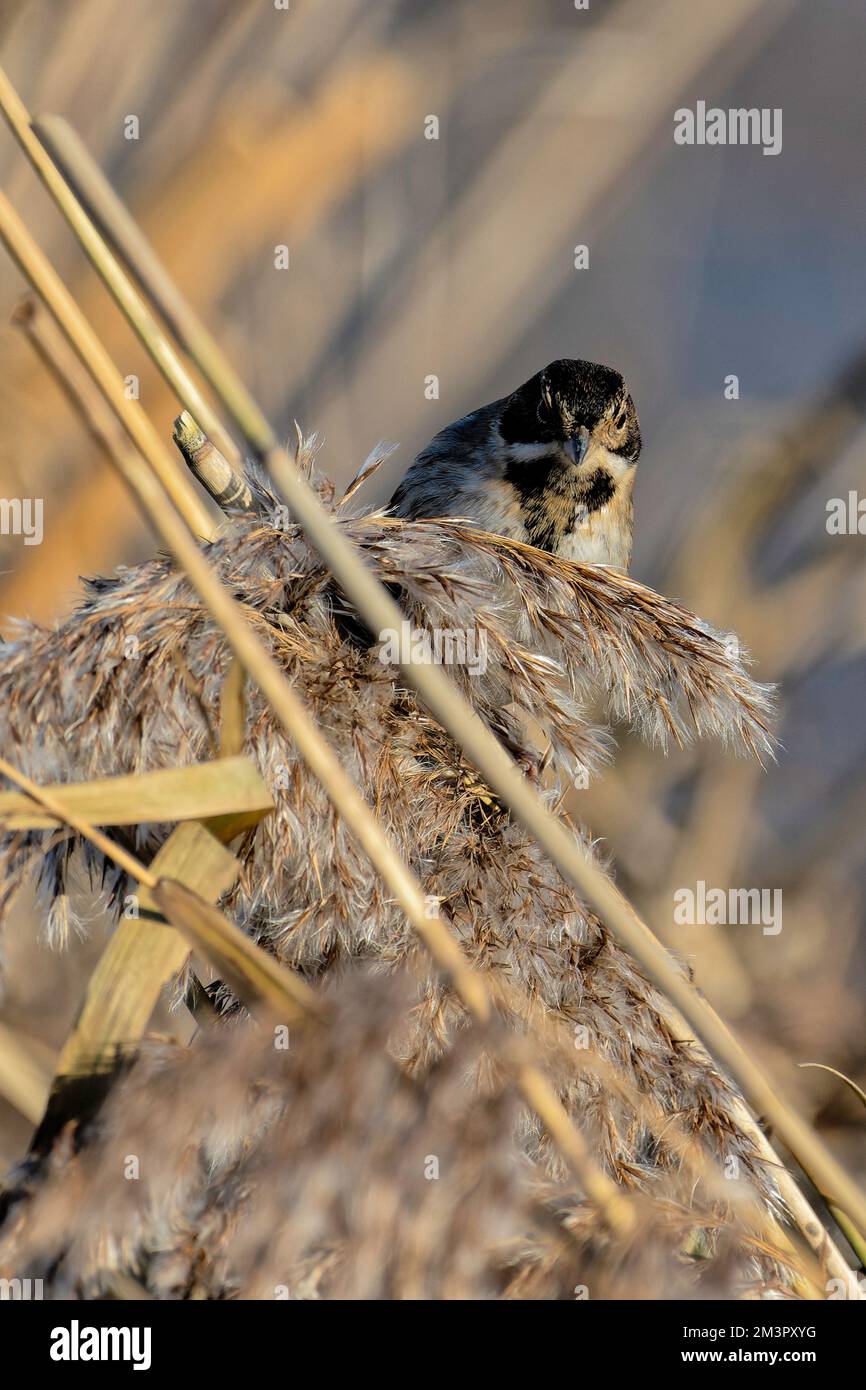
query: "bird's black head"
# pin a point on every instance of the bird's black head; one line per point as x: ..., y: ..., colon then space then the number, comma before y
x: 570, y: 395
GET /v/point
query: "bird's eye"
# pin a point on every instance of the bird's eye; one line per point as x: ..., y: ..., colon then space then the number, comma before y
x: 621, y: 418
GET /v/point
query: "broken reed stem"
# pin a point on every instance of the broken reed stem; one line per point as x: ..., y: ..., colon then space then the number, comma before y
x: 228, y: 488
x: 380, y: 612
x: 117, y: 283
x: 446, y: 952
x: 256, y: 977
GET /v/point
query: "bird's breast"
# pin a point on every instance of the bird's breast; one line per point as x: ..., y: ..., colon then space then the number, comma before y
x: 598, y: 540
x: 578, y: 514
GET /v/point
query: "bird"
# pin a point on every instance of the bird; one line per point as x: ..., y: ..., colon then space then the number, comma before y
x: 552, y: 465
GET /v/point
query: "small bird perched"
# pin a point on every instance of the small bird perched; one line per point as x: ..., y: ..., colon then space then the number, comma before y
x: 553, y: 464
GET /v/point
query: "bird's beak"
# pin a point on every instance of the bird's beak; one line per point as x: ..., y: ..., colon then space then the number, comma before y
x: 577, y: 445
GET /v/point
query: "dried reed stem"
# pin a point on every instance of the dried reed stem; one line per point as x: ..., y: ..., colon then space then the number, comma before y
x: 125, y: 237
x: 109, y: 847
x: 164, y: 481
x: 116, y: 282
x: 56, y: 355
x: 228, y: 488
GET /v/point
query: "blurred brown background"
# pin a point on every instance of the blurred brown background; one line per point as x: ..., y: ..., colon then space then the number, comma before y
x: 454, y: 257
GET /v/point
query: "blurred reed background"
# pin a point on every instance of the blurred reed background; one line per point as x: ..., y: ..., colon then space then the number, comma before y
x: 411, y: 258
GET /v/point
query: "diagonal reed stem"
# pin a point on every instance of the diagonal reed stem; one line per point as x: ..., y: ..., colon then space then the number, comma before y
x: 117, y: 283
x: 129, y: 243
x: 113, y: 851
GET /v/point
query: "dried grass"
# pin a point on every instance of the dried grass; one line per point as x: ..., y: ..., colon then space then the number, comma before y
x: 75, y: 705
x: 324, y: 1172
